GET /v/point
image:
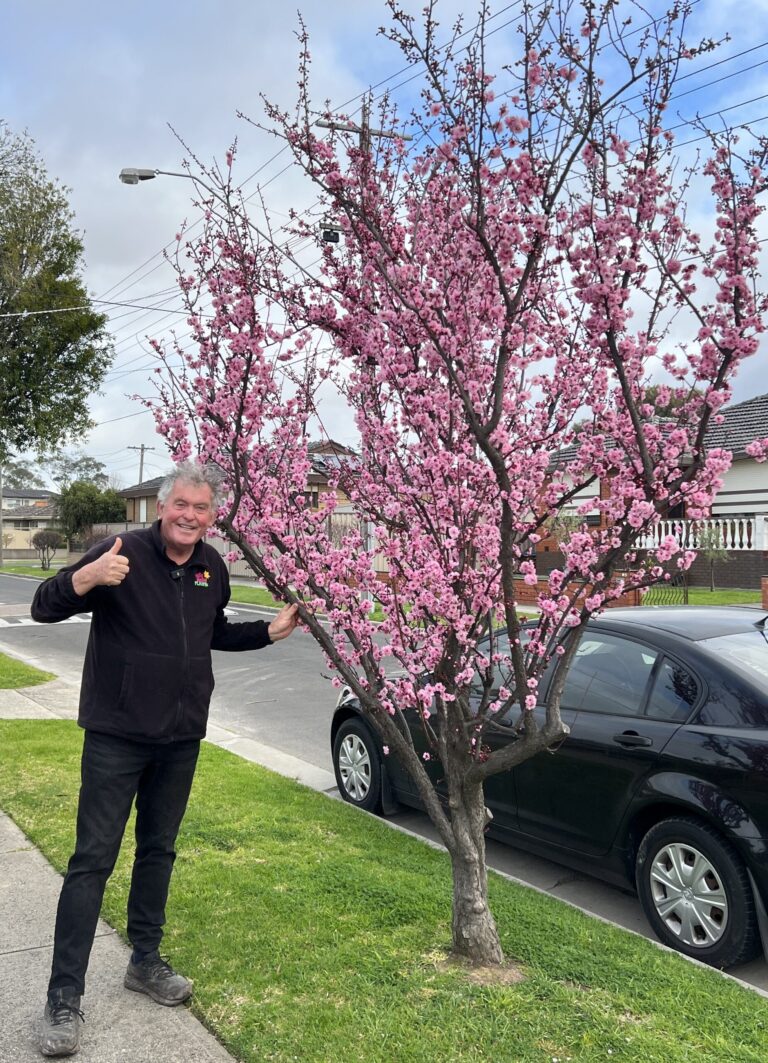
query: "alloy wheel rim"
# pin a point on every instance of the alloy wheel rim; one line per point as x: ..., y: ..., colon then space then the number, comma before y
x: 689, y: 895
x: 355, y: 767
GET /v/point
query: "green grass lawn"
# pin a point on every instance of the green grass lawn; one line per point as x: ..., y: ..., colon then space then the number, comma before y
x: 315, y: 933
x: 727, y: 596
x: 31, y: 569
x: 15, y: 674
x: 252, y: 596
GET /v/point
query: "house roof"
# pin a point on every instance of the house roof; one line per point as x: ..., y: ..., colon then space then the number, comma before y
x: 742, y: 424
x: 26, y: 492
x: 330, y: 446
x: 147, y: 488
x: 47, y: 512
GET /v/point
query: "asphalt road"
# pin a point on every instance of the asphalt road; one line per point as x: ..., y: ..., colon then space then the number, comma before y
x: 279, y: 697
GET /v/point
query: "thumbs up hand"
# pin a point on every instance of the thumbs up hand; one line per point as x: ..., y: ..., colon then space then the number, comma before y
x: 113, y: 565
x: 108, y: 570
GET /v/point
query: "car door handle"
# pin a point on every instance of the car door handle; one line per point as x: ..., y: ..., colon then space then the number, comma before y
x: 632, y: 738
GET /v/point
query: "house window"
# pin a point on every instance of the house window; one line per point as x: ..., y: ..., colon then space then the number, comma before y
x: 312, y: 497
x: 142, y: 510
x: 25, y: 525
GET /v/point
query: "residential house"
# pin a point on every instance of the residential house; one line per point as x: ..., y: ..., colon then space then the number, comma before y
x: 141, y: 501
x: 21, y: 522
x: 739, y: 512
x: 17, y: 498
x: 327, y: 457
x: 740, y: 509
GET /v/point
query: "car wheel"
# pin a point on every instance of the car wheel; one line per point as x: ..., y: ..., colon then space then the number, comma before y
x: 696, y: 894
x: 357, y: 765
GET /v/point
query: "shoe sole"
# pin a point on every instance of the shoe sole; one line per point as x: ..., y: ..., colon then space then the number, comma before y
x: 139, y: 987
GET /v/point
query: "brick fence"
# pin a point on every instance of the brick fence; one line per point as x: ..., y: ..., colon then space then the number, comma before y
x: 527, y: 594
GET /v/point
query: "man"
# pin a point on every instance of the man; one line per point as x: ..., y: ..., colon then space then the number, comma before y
x: 157, y: 597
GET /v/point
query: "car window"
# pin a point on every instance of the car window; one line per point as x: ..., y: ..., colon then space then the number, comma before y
x: 674, y: 693
x: 747, y: 651
x: 502, y: 673
x: 608, y: 674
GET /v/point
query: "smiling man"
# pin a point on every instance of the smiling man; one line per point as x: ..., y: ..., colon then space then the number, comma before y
x: 157, y: 596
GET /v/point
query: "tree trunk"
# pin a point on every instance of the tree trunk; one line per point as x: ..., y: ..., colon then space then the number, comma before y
x: 474, y: 932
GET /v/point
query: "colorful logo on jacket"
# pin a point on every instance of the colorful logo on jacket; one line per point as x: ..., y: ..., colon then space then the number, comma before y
x: 201, y: 577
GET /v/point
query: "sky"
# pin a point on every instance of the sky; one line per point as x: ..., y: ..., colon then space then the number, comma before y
x: 104, y: 86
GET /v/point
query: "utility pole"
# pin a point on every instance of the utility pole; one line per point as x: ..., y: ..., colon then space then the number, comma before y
x: 363, y: 130
x: 142, y: 448
x: 364, y: 133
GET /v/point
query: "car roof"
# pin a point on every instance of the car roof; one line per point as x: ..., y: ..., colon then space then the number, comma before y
x: 692, y: 622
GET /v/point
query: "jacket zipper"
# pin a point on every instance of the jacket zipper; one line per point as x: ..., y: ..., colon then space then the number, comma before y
x: 180, y: 707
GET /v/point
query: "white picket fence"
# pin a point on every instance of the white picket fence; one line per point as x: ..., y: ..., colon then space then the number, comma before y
x: 734, y: 533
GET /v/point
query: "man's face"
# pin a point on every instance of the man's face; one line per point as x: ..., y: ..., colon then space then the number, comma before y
x: 185, y: 516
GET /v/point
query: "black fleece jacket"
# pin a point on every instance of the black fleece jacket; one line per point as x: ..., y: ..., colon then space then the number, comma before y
x: 147, y: 674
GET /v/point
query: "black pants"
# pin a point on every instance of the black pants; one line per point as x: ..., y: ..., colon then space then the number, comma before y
x: 113, y: 772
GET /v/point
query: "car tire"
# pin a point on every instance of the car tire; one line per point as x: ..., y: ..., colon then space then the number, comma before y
x: 357, y: 765
x: 696, y: 893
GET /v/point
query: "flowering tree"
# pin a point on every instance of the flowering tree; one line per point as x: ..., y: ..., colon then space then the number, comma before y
x: 508, y: 286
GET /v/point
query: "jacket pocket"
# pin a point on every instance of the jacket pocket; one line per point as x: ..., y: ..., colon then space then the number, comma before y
x: 148, y: 700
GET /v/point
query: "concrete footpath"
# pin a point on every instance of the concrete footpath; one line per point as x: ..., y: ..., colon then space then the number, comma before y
x: 120, y: 1026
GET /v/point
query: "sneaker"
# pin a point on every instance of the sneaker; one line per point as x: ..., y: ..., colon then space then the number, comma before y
x: 60, y: 1028
x: 158, y: 980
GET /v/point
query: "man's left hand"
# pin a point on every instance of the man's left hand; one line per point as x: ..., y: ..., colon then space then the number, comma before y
x: 284, y: 623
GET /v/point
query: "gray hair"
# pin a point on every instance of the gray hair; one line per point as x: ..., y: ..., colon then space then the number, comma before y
x: 197, y: 475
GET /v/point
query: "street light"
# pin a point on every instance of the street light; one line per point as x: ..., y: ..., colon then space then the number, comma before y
x: 131, y: 175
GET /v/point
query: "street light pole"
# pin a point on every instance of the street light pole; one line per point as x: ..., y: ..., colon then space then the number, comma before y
x: 131, y: 175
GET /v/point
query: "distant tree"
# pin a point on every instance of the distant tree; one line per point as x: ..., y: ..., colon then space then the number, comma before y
x: 711, y: 546
x: 49, y: 362
x: 18, y: 475
x: 81, y: 505
x: 667, y: 401
x: 65, y: 469
x: 46, y: 543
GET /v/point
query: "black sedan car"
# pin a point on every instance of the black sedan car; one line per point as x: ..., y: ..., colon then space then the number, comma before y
x: 661, y: 785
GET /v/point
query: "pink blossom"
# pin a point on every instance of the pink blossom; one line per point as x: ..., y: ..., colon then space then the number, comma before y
x: 758, y: 449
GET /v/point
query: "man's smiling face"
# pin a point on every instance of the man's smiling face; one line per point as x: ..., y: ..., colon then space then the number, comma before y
x: 185, y: 516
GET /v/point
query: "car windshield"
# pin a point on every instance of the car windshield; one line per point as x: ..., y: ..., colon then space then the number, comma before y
x: 746, y: 652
